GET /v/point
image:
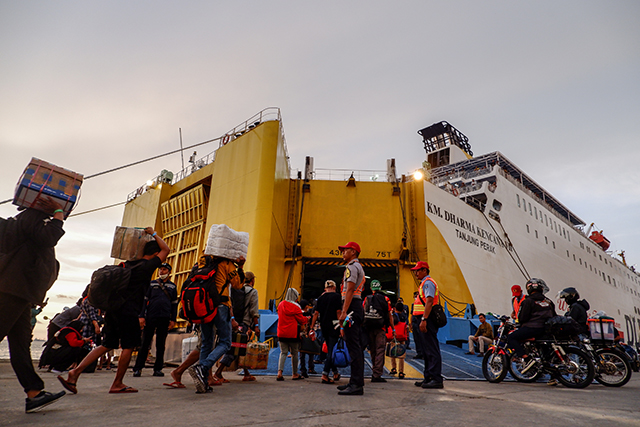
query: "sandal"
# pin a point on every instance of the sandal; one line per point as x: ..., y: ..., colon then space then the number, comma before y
x: 401, y: 375
x: 336, y: 376
x: 279, y: 378
x: 327, y: 380
x: 393, y: 371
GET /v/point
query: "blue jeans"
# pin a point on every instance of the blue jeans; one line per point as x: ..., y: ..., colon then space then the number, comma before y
x: 222, y: 324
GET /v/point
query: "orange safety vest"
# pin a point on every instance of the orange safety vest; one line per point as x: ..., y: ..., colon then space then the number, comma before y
x: 516, y: 304
x: 418, y: 307
x: 421, y: 297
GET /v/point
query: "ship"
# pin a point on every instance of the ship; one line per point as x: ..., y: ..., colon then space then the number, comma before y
x: 480, y: 222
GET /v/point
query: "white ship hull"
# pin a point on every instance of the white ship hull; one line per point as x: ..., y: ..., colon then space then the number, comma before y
x: 543, y: 246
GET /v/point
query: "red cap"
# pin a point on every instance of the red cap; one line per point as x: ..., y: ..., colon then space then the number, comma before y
x: 516, y: 290
x: 419, y: 265
x: 352, y: 245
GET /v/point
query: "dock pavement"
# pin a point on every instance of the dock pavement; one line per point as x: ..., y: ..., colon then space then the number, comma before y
x: 311, y: 403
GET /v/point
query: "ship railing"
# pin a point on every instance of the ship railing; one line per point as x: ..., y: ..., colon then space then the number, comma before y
x: 268, y: 114
x: 534, y: 196
x: 464, y: 175
x: 345, y: 174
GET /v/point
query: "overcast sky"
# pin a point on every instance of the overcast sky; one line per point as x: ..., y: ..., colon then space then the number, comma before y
x: 554, y: 86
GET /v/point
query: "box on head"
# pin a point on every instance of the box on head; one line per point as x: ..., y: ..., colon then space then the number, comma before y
x: 40, y: 179
x: 226, y: 243
x: 128, y: 243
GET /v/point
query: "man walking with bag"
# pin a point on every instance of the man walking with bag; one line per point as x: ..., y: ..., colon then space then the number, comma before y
x: 428, y: 295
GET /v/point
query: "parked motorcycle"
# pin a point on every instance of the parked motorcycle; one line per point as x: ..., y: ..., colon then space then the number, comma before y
x: 559, y: 358
x: 612, y: 365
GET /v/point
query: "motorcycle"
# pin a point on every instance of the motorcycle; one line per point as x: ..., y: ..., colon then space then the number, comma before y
x: 559, y: 358
x: 612, y: 365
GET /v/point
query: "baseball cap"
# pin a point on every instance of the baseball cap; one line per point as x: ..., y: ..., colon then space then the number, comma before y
x: 516, y: 290
x: 352, y: 245
x: 420, y: 265
x: 249, y: 276
x: 329, y: 284
x: 165, y: 265
x: 375, y: 285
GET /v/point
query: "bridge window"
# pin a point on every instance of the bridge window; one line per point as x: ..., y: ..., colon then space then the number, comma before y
x: 528, y: 229
x: 518, y: 198
x: 554, y: 245
x: 536, y: 231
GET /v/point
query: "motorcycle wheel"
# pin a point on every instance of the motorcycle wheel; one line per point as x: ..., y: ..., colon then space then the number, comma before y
x: 515, y: 367
x: 578, y: 372
x: 612, y: 368
x: 494, y: 366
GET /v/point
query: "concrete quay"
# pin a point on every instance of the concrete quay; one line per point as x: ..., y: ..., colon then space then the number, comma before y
x: 311, y: 403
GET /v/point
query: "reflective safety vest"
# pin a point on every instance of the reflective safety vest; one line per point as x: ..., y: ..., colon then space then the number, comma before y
x: 516, y: 304
x: 418, y: 307
x: 420, y: 298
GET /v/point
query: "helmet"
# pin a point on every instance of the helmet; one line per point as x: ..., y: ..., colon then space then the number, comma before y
x: 536, y: 285
x: 570, y: 295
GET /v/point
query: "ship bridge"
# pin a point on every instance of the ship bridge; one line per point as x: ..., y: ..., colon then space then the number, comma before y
x: 476, y: 167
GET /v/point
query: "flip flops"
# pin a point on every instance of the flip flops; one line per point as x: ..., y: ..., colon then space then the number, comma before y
x: 328, y: 381
x: 279, y: 378
x: 124, y: 390
x: 69, y: 386
x: 401, y: 375
x: 175, y: 384
x: 249, y: 378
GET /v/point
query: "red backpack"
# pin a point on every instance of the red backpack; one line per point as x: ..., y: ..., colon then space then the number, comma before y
x: 199, y: 297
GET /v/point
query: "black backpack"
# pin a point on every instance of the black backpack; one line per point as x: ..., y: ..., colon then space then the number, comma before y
x: 107, y: 290
x: 238, y: 302
x: 200, y: 297
x: 376, y: 312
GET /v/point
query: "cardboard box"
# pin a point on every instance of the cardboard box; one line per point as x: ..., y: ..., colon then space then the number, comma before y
x: 226, y: 242
x: 128, y: 243
x: 43, y: 178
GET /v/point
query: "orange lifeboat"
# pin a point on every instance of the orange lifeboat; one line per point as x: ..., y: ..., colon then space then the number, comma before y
x: 602, y: 241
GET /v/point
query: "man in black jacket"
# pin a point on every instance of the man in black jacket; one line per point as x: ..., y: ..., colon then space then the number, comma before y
x: 534, y: 312
x: 577, y: 307
x: 158, y: 316
x: 28, y: 268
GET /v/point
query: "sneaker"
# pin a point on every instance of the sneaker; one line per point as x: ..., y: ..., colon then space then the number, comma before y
x: 43, y: 399
x: 158, y: 374
x: 137, y: 373
x: 199, y: 376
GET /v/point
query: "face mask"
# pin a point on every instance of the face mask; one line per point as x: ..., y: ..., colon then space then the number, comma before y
x: 163, y: 276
